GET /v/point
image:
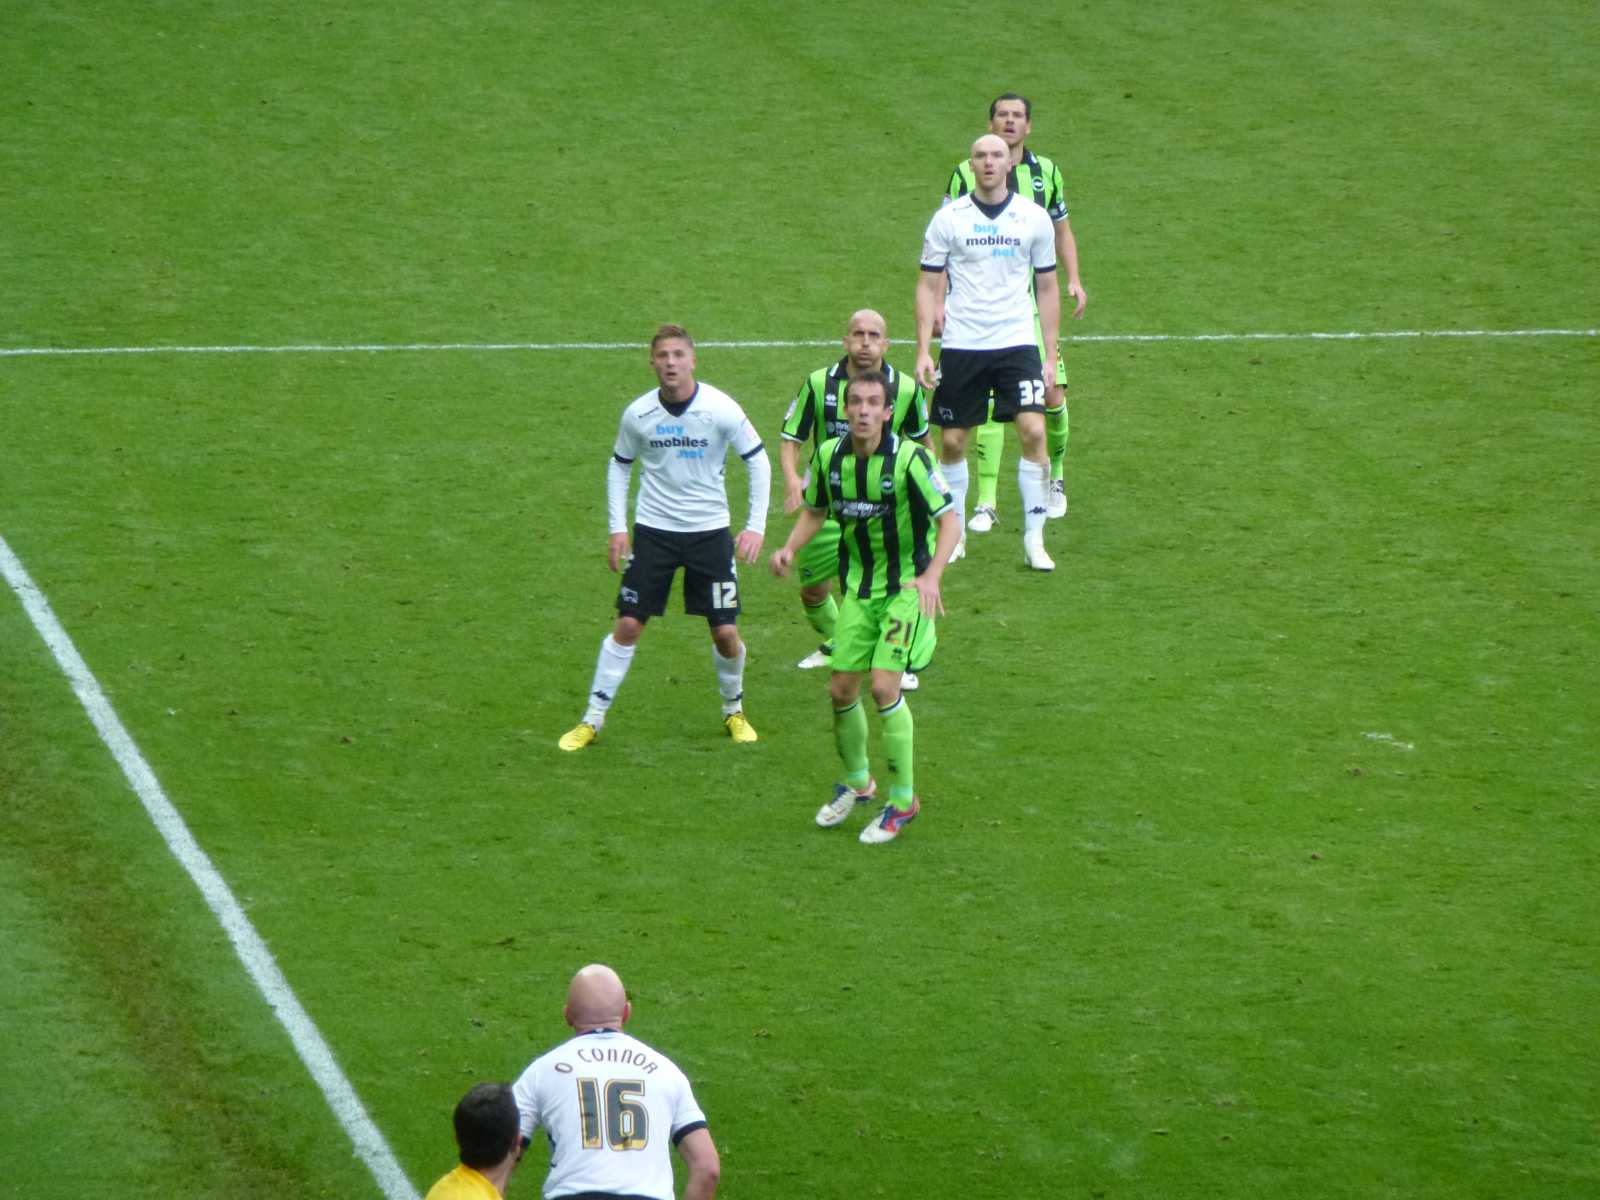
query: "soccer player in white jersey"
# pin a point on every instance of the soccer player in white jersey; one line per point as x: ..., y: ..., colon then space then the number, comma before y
x: 611, y: 1105
x: 680, y: 433
x: 998, y: 251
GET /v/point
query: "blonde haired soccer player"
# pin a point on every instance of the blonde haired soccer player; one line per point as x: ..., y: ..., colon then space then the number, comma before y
x: 680, y: 433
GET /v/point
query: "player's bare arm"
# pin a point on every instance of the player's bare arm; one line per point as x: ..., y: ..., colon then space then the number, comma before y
x: 805, y: 528
x: 1067, y: 254
x: 794, y: 485
x: 1047, y: 290
x: 928, y: 583
x: 930, y: 306
x: 704, y: 1165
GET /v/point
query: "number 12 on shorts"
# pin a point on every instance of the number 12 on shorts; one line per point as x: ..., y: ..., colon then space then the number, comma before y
x: 725, y: 593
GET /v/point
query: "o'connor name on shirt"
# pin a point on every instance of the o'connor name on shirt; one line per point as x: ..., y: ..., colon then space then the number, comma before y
x: 625, y: 1055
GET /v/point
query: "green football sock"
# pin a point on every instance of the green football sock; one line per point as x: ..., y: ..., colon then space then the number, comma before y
x: 1055, y: 439
x: 823, y: 617
x: 850, y: 736
x: 897, y: 728
x: 990, y: 439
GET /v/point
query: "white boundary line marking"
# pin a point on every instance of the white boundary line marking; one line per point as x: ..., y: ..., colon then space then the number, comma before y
x: 416, y: 347
x: 252, y: 951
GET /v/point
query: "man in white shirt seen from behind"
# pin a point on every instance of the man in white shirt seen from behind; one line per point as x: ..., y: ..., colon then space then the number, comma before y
x: 611, y: 1106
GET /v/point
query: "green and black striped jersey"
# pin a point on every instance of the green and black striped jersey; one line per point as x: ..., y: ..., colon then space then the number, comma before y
x: 1035, y: 178
x: 817, y: 411
x: 887, y: 505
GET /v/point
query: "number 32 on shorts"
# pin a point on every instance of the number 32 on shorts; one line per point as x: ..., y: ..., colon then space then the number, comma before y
x: 1032, y: 391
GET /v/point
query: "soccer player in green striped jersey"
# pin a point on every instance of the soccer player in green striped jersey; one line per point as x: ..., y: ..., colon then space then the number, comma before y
x: 898, y: 527
x: 1039, y: 179
x: 817, y: 414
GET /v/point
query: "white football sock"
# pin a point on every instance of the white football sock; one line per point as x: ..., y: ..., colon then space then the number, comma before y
x: 610, y: 669
x: 730, y: 679
x: 955, y: 474
x: 1032, y: 480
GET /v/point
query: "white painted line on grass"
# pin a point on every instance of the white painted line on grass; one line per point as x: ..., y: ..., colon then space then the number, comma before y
x: 1389, y: 739
x: 424, y: 347
x: 252, y: 951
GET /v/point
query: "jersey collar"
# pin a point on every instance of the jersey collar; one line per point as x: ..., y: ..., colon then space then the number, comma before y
x: 678, y: 407
x: 991, y: 210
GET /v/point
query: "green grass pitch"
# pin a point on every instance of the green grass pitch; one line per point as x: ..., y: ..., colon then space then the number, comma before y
x: 1259, y: 847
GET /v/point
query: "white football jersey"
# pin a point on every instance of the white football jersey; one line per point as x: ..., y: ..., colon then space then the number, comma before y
x: 990, y: 261
x: 683, y: 458
x: 613, y: 1108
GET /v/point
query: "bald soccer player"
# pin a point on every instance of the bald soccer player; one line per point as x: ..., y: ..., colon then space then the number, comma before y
x: 817, y: 414
x: 997, y: 251
x: 1037, y: 178
x: 611, y: 1105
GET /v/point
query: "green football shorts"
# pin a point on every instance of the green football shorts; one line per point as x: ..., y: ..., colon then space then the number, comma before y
x: 819, y: 558
x: 886, y: 634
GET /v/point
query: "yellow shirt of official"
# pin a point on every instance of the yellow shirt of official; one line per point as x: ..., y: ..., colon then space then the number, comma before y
x: 463, y: 1184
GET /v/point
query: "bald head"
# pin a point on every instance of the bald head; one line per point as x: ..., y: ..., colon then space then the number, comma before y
x: 596, y: 999
x: 865, y: 339
x: 991, y: 163
x: 990, y: 143
x: 866, y: 318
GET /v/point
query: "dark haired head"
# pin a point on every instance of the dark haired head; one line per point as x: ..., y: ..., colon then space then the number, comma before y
x: 486, y: 1125
x: 1027, y: 105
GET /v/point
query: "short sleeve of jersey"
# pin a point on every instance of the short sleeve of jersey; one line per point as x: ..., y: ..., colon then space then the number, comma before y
x: 928, y: 483
x: 958, y: 186
x: 1042, y: 244
x: 935, y: 244
x: 816, y: 493
x: 802, y: 415
x: 1056, y: 191
x: 914, y: 422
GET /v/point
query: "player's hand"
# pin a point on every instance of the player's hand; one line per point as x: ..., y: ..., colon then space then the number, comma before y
x: 617, y: 550
x: 782, y: 558
x: 747, y: 546
x: 928, y: 598
x: 925, y: 372
x: 1075, y: 290
x: 794, y: 493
